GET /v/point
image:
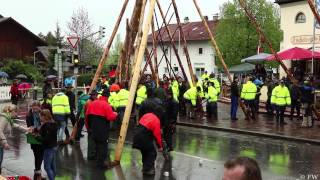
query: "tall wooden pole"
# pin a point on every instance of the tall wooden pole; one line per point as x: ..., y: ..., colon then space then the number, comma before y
x: 134, y: 83
x: 106, y: 50
x: 185, y: 48
x: 314, y: 10
x: 172, y: 43
x: 217, y: 49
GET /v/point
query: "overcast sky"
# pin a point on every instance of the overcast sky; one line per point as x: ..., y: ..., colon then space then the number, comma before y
x: 42, y: 15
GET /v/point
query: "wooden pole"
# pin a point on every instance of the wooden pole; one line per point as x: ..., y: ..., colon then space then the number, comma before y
x: 155, y: 46
x: 217, y: 49
x: 172, y: 43
x: 134, y: 83
x: 314, y: 11
x: 106, y: 50
x: 185, y: 48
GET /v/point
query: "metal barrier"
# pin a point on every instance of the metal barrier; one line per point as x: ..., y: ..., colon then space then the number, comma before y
x: 5, y: 93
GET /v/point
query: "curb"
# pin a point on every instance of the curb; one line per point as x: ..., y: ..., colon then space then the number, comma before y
x: 254, y: 133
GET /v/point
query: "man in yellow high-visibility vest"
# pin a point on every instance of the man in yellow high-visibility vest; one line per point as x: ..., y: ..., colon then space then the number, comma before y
x: 248, y: 94
x: 281, y: 99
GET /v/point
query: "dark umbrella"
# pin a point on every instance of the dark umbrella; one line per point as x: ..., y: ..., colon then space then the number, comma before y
x: 3, y: 74
x: 242, y: 68
x: 21, y: 76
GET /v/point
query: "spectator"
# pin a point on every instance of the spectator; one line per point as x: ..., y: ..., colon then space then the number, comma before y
x: 241, y: 168
x: 14, y: 92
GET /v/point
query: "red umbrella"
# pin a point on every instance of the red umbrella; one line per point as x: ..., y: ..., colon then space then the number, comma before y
x: 295, y: 54
x: 24, y: 86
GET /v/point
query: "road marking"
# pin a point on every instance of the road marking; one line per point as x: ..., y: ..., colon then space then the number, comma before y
x: 192, y: 156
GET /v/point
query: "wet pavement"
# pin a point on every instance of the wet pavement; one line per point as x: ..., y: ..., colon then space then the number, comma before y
x: 265, y: 124
x: 199, y: 154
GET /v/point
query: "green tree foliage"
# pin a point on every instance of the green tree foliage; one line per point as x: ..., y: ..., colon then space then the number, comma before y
x: 237, y: 37
x: 114, y: 54
x: 14, y: 67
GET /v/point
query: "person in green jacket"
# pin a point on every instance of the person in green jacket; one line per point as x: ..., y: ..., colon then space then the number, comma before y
x: 248, y: 94
x: 212, y: 97
x: 281, y: 99
x: 191, y: 95
x: 82, y: 100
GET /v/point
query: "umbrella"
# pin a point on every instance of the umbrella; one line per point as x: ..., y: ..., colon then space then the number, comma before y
x: 24, y: 86
x: 242, y: 68
x: 3, y: 74
x: 295, y: 54
x: 49, y: 77
x: 21, y: 76
x: 258, y: 58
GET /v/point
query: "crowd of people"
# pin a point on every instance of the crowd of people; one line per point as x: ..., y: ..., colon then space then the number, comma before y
x: 156, y: 109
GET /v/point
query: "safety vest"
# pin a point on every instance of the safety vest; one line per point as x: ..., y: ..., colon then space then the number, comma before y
x: 113, y: 100
x: 175, y: 90
x: 212, y: 95
x: 199, y: 83
x: 216, y: 84
x: 249, y: 91
x: 280, y: 96
x: 204, y: 76
x: 123, y: 96
x: 141, y: 95
x: 60, y: 104
x: 191, y: 94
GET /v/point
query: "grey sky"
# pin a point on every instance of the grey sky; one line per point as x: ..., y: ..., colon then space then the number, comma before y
x: 42, y: 15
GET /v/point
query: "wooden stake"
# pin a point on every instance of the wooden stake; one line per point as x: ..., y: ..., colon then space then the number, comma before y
x: 185, y: 46
x: 217, y: 49
x: 134, y: 83
x: 106, y: 50
x: 172, y: 43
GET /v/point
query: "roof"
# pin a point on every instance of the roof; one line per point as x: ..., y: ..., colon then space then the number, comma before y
x: 194, y: 31
x: 286, y: 1
x: 37, y: 38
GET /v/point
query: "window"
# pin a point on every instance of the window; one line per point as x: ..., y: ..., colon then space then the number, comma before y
x: 166, y: 70
x: 199, y: 72
x: 200, y: 50
x: 176, y: 69
x: 300, y: 18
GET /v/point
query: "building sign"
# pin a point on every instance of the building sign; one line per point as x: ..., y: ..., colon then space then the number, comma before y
x: 305, y: 39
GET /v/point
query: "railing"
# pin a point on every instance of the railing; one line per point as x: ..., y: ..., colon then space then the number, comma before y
x: 5, y: 93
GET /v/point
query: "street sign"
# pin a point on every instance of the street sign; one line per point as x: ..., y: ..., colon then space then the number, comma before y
x: 73, y: 41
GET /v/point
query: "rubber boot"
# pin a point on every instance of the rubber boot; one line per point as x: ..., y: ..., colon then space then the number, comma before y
x: 304, y: 121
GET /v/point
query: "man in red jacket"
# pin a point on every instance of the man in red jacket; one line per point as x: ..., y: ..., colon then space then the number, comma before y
x: 98, y: 115
x: 146, y: 132
x: 14, y: 92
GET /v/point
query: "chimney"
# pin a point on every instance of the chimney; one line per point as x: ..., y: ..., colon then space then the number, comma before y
x: 206, y: 18
x: 186, y: 19
x: 215, y: 17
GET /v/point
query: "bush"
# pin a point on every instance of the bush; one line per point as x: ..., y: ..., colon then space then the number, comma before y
x: 14, y: 67
x: 85, y: 79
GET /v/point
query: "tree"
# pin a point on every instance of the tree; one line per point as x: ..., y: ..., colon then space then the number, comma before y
x: 115, y: 52
x: 235, y: 35
x: 90, y: 48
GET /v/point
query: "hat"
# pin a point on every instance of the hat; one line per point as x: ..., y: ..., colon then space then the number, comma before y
x: 114, y: 88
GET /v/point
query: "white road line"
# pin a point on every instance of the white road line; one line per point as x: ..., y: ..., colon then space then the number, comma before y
x: 192, y: 156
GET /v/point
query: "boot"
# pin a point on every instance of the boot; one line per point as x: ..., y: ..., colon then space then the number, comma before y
x: 304, y: 121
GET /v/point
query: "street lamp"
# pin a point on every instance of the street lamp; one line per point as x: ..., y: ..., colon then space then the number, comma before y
x: 34, y: 57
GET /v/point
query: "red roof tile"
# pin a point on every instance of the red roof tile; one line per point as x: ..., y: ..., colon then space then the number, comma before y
x: 194, y: 31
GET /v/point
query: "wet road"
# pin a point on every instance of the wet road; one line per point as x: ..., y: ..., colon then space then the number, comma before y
x: 199, y: 154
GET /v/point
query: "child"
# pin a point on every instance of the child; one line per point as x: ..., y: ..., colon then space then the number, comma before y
x: 48, y: 132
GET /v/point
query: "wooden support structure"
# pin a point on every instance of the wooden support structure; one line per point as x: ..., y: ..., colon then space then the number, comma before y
x: 185, y: 48
x: 217, y: 49
x: 106, y: 50
x: 314, y: 10
x: 261, y: 33
x: 134, y: 83
x: 172, y: 43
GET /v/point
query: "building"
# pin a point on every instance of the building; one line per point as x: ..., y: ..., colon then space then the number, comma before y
x: 17, y: 42
x: 200, y: 50
x: 297, y: 21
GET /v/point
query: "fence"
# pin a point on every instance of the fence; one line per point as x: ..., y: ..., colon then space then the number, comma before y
x: 5, y: 93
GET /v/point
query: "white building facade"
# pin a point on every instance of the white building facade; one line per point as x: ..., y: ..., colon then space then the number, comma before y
x: 201, y: 52
x: 297, y: 22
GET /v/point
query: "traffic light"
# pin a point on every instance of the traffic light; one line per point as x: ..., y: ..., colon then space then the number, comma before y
x: 101, y: 32
x: 75, y: 59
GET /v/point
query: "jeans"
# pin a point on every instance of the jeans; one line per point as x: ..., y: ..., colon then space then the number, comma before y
x: 62, y: 127
x: 234, y: 107
x: 49, y: 160
x: 1, y: 157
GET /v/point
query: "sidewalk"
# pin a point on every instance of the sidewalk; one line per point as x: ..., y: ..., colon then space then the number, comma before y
x: 265, y: 126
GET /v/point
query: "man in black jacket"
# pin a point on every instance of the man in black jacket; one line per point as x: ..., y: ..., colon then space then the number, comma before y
x: 72, y: 103
x: 234, y: 98
x: 171, y: 119
x: 295, y: 94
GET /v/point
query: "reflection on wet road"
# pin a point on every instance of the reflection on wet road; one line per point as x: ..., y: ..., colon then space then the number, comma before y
x: 199, y: 154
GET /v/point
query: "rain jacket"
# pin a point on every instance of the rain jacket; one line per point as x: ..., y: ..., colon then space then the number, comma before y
x: 123, y: 96
x: 249, y: 91
x: 280, y: 96
x: 191, y: 95
x: 141, y: 94
x: 152, y: 123
x: 60, y: 104
x: 216, y: 84
x: 113, y: 100
x: 175, y: 90
x: 212, y: 95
